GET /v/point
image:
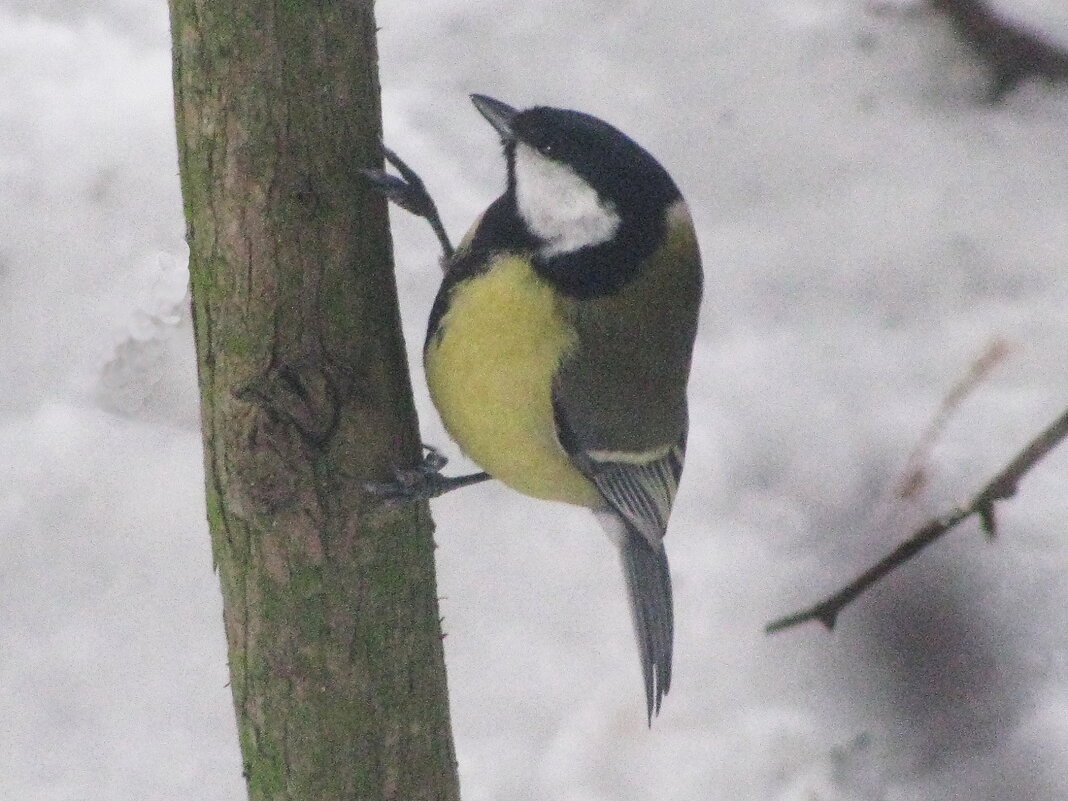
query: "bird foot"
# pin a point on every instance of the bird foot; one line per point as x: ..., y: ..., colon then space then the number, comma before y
x: 422, y: 482
x: 410, y: 193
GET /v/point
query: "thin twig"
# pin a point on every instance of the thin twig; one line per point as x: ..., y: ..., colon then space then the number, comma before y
x: 914, y: 474
x: 1001, y: 487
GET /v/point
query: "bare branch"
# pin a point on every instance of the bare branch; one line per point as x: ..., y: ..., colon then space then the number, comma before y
x: 1012, y: 52
x: 1001, y: 487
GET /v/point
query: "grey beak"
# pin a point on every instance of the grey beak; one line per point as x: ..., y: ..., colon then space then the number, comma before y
x: 499, y: 115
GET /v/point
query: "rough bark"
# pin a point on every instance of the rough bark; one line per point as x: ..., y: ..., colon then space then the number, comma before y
x: 329, y: 599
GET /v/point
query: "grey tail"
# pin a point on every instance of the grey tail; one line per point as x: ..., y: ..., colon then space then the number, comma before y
x: 645, y: 567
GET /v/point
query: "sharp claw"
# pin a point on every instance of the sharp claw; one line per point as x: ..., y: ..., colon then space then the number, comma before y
x: 422, y: 482
x: 411, y: 198
x: 407, y: 173
x: 382, y: 180
x: 383, y: 489
x: 434, y: 460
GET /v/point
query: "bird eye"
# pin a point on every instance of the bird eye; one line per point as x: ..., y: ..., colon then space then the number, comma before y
x: 548, y: 147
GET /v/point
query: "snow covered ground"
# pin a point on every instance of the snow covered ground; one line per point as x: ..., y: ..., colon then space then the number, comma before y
x: 869, y: 228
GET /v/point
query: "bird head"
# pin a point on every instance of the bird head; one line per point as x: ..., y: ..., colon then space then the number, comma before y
x: 577, y: 182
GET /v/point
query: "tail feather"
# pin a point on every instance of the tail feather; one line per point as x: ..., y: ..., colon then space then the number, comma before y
x: 648, y: 578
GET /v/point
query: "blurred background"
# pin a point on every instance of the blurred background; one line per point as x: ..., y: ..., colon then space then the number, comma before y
x: 872, y: 224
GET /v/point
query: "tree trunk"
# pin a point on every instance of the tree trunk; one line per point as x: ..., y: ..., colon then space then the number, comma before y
x: 329, y: 599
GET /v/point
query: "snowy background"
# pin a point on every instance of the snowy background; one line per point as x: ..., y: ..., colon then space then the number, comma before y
x: 869, y: 229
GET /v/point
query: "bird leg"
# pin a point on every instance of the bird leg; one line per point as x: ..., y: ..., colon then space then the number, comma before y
x: 422, y: 482
x: 409, y: 192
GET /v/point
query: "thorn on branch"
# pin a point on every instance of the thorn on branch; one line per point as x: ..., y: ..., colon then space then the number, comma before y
x: 987, y: 520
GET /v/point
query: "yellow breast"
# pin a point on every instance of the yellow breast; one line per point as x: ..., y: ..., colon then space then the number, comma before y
x: 490, y: 370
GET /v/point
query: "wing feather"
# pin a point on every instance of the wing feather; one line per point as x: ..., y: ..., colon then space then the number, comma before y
x: 642, y: 493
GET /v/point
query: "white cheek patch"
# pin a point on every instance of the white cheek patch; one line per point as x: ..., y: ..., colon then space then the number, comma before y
x: 558, y: 206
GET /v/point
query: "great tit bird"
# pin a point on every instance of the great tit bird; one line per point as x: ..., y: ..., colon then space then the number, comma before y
x: 558, y: 348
